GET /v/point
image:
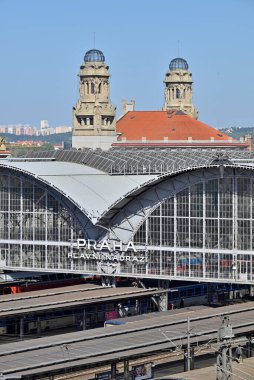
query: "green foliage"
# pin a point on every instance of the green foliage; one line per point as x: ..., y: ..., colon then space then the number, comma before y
x: 237, y: 132
x: 57, y: 138
x: 21, y: 151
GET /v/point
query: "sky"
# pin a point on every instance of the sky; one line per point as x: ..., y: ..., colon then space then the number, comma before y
x: 43, y: 43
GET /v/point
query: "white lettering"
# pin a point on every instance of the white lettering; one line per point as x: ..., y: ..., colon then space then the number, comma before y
x: 81, y: 243
x: 105, y: 245
x: 91, y: 244
x: 130, y: 246
x: 118, y: 246
x: 107, y: 256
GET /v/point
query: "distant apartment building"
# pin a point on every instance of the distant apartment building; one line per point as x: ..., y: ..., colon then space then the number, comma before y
x: 63, y: 129
x: 30, y: 130
x: 44, y: 124
x: 18, y: 129
x: 46, y: 131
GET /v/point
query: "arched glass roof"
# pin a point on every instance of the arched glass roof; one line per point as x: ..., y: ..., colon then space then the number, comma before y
x: 178, y: 64
x: 94, y: 55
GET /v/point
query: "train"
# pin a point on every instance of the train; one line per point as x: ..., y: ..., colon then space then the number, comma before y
x: 205, y: 293
x: 50, y: 321
x: 19, y: 282
x: 190, y: 295
x: 34, y: 325
x: 69, y: 318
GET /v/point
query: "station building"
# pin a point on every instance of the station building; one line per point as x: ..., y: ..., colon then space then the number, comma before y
x: 164, y: 196
x: 156, y: 213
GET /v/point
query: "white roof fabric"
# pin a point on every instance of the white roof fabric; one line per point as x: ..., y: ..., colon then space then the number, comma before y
x: 93, y: 190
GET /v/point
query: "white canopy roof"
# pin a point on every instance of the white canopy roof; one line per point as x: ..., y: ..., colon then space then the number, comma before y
x: 93, y: 190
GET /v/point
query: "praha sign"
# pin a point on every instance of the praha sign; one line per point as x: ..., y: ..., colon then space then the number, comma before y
x: 106, y: 251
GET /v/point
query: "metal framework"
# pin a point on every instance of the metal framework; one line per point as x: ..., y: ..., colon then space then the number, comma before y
x: 196, y: 225
x: 204, y: 232
x: 36, y: 224
x: 143, y: 161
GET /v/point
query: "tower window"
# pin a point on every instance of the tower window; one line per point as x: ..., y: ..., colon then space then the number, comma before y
x: 106, y: 120
x: 178, y: 94
x: 92, y: 88
x: 89, y: 120
x: 86, y: 121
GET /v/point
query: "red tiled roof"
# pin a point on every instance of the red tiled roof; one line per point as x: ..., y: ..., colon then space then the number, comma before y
x: 175, y: 125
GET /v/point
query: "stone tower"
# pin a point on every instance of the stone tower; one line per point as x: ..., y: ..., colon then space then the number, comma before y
x: 94, y: 124
x: 178, y: 88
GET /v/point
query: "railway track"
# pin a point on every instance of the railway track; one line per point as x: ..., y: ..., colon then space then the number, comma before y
x: 134, y: 340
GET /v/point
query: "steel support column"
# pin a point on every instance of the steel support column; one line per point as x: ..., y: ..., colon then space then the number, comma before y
x: 249, y: 346
x: 113, y: 371
x: 38, y: 326
x: 126, y: 369
x: 21, y: 328
x: 84, y: 319
x: 189, y: 359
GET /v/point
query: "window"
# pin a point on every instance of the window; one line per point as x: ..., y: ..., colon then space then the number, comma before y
x: 178, y: 94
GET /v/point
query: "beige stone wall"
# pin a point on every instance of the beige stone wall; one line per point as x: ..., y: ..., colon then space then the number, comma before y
x: 178, y: 92
x: 94, y: 113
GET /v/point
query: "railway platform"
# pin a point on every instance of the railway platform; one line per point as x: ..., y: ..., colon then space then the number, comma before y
x: 74, y: 352
x: 79, y: 306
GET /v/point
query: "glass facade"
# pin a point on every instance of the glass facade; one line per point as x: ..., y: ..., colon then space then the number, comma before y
x: 204, y: 231
x: 36, y: 228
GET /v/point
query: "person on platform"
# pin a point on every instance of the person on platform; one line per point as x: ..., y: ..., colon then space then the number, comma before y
x: 239, y: 354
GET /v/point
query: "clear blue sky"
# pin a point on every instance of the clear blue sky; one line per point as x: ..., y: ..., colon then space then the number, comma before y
x: 43, y: 43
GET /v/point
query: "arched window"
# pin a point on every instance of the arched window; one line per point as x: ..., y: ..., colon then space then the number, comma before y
x: 215, y: 215
x: 37, y: 225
